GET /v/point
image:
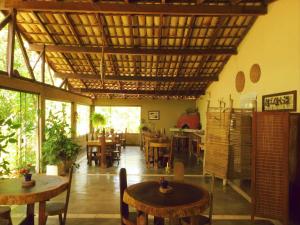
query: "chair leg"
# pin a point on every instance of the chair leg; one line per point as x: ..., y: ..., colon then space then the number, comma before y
x: 60, y: 219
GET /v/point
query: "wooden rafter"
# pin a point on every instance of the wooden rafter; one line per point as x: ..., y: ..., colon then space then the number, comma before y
x: 25, y: 55
x: 52, y: 39
x: 11, y: 43
x: 141, y: 9
x: 5, y: 21
x: 133, y: 51
x: 105, y: 40
x: 144, y: 92
x: 73, y: 30
x: 198, y: 78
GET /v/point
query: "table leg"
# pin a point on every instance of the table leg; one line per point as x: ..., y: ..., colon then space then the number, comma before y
x: 30, y: 214
x: 42, y: 213
x: 103, y: 157
x: 142, y: 218
x: 194, y: 220
x: 89, y: 155
x: 174, y: 221
x: 155, y: 158
x: 159, y: 221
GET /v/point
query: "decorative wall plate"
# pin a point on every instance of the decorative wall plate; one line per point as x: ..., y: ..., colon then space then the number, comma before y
x: 240, y: 81
x: 255, y: 73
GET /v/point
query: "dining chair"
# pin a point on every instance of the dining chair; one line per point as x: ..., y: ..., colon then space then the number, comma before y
x: 123, y: 138
x: 60, y: 208
x: 127, y: 218
x: 203, y: 219
x: 116, y: 152
x: 179, y: 171
x: 156, y: 148
x: 5, y: 214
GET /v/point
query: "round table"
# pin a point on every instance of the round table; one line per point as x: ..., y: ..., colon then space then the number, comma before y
x: 186, y: 200
x: 46, y: 187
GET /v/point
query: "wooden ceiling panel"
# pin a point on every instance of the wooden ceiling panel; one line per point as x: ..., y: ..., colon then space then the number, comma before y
x: 157, y: 49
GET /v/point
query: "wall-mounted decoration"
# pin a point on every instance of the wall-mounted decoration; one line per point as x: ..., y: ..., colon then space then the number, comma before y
x: 153, y: 115
x: 255, y: 73
x: 284, y: 101
x: 240, y: 81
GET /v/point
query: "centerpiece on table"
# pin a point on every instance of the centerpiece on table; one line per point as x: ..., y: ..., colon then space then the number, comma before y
x: 164, y: 186
x: 26, y: 172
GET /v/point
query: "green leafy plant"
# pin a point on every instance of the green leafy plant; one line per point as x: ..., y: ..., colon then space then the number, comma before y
x: 59, y: 146
x: 98, y: 120
x: 7, y: 135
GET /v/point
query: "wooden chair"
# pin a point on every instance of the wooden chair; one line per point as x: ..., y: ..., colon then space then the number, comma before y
x: 60, y: 208
x: 91, y: 155
x: 116, y: 152
x: 127, y: 218
x: 5, y: 214
x: 205, y: 220
x: 156, y: 147
x: 179, y: 171
x: 123, y: 138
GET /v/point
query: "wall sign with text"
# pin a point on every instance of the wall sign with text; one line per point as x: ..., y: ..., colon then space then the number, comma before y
x: 284, y: 101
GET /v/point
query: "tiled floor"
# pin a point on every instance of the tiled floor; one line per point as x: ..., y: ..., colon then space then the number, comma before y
x: 95, y: 192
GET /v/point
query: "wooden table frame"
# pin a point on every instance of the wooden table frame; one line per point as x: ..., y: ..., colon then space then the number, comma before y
x: 173, y: 213
x: 23, y: 197
x: 100, y: 152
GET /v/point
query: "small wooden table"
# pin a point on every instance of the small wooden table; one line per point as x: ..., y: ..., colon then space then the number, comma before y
x: 100, y: 152
x: 186, y: 200
x: 156, y: 146
x: 46, y: 187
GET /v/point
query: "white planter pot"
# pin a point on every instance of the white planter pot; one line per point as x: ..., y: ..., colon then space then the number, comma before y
x: 52, y: 170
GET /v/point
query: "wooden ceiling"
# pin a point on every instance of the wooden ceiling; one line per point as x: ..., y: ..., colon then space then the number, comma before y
x: 137, y: 48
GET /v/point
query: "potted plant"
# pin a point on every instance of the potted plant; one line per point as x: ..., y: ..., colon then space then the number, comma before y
x: 59, y: 148
x: 25, y: 170
x: 98, y: 121
x: 7, y: 135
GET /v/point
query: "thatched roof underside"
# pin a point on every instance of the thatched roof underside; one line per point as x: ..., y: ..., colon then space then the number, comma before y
x: 135, y: 55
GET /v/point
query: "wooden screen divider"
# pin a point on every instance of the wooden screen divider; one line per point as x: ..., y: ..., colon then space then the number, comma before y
x: 270, y: 176
x: 228, y: 143
x: 240, y: 144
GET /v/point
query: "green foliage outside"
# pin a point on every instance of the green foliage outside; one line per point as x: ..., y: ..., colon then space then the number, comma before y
x: 8, y: 131
x: 58, y: 145
x: 22, y: 109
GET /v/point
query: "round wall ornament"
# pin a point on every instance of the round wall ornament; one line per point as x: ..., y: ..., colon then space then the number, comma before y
x: 240, y: 81
x: 255, y: 73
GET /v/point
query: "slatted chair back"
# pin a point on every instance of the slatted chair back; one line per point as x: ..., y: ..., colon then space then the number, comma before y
x: 68, y: 194
x: 179, y: 171
x: 124, y: 209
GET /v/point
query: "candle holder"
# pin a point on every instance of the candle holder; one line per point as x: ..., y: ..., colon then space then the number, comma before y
x: 164, y: 187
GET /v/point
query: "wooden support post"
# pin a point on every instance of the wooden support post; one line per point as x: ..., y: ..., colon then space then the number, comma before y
x: 92, y: 110
x: 11, y: 43
x: 42, y: 124
x: 43, y: 65
x: 73, y: 119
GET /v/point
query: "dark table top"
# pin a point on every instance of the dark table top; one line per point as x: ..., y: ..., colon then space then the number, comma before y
x: 184, y: 200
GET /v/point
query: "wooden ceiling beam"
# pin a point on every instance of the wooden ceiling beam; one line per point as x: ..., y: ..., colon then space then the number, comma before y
x: 144, y: 92
x: 141, y: 9
x: 131, y: 51
x: 140, y: 78
x: 5, y: 21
